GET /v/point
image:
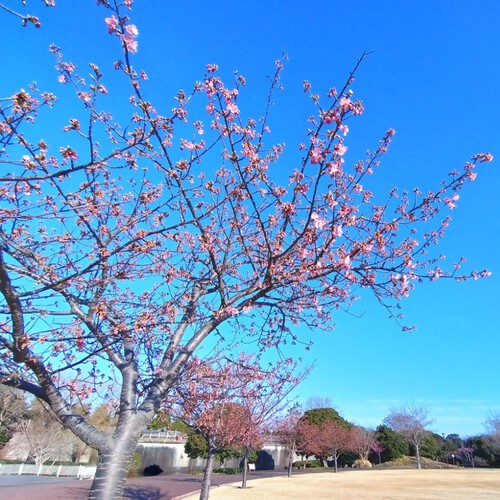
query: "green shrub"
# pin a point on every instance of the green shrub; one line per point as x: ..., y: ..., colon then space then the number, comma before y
x: 135, y: 466
x: 309, y: 464
x: 228, y: 470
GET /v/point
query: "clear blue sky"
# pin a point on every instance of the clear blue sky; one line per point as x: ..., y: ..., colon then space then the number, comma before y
x: 432, y: 75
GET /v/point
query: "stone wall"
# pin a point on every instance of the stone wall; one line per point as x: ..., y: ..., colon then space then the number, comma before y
x: 172, y: 458
x: 156, y: 449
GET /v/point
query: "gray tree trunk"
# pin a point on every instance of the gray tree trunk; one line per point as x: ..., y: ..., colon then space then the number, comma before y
x: 116, y: 456
x: 417, y: 452
x: 207, y: 476
x: 290, y: 462
x: 245, y: 470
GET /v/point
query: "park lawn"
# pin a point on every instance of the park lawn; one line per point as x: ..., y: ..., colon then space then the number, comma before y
x: 456, y: 484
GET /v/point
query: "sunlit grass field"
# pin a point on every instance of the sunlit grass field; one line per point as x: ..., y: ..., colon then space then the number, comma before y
x: 456, y: 484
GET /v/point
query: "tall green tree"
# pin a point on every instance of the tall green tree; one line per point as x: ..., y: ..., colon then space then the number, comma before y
x: 317, y: 416
x: 394, y: 444
x: 197, y: 447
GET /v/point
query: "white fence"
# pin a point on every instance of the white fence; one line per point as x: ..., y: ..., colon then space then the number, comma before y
x: 163, y: 436
x: 79, y: 471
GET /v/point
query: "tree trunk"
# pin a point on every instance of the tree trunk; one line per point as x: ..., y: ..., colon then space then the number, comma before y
x: 114, y: 464
x: 290, y: 462
x: 417, y: 452
x: 335, y: 461
x: 245, y: 470
x: 207, y: 476
x: 111, y: 474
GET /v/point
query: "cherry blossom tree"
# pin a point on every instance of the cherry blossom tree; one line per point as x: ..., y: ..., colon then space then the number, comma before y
x: 323, y: 432
x: 230, y: 404
x: 27, y: 18
x: 324, y: 440
x: 378, y: 448
x: 467, y: 455
x: 362, y: 441
x: 137, y: 239
x: 287, y: 430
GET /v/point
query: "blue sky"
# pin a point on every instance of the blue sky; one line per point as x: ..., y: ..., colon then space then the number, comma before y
x: 432, y: 75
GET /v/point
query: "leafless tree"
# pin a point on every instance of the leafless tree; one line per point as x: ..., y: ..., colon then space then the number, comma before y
x: 12, y: 407
x: 410, y: 422
x: 362, y: 441
x: 48, y: 440
x: 315, y: 402
x: 492, y: 423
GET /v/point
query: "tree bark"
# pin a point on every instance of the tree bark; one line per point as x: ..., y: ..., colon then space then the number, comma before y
x: 114, y: 464
x: 111, y: 475
x: 245, y: 470
x: 207, y: 476
x: 417, y: 452
x: 290, y: 462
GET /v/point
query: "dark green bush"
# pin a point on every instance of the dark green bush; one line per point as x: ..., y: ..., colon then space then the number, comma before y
x: 228, y: 470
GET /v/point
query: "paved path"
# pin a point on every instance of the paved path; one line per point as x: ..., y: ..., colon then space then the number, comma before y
x: 163, y: 487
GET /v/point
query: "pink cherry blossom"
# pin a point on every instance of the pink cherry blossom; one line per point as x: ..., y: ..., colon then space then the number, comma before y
x: 132, y: 30
x: 318, y: 222
x: 68, y: 153
x: 316, y: 155
x: 232, y: 108
x: 130, y: 43
x: 340, y: 149
x: 112, y: 23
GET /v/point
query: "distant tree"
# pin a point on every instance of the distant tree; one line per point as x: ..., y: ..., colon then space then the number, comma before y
x: 394, y: 444
x: 315, y: 402
x: 410, y: 422
x: 431, y: 446
x: 324, y: 433
x: 162, y: 420
x: 103, y: 417
x: 12, y: 411
x: 230, y: 402
x: 485, y: 447
x: 378, y: 448
x: 362, y: 441
x: 324, y: 439
x: 454, y: 440
x: 197, y: 447
x: 339, y: 439
x: 47, y: 438
x: 450, y: 445
x: 467, y: 456
x: 287, y: 430
x: 492, y: 424
x: 325, y: 414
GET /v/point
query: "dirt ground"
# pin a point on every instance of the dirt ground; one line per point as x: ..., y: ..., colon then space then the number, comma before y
x: 460, y: 484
